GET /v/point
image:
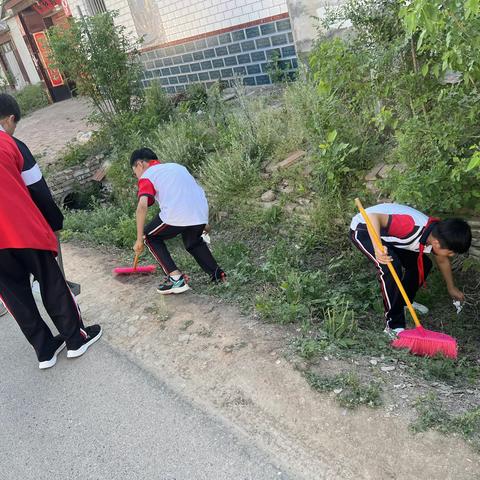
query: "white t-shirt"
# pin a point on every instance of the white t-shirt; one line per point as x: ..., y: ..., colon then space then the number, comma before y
x: 182, y: 201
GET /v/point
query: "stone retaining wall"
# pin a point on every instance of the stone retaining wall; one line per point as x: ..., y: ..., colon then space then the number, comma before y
x: 68, y: 181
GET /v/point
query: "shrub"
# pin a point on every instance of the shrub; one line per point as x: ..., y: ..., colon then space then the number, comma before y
x: 187, y: 139
x: 228, y: 175
x: 102, y: 59
x: 31, y: 98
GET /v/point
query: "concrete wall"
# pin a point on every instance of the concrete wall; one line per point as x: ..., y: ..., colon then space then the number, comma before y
x: 23, y: 50
x: 304, y: 24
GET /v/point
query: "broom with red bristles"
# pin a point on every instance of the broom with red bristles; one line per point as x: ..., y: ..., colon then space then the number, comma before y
x: 135, y: 269
x: 418, y: 341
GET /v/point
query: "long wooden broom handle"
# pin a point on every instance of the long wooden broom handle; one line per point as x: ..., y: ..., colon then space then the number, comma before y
x: 135, y: 262
x: 381, y: 247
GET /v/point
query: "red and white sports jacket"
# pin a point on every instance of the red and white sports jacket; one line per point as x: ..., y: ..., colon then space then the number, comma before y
x: 407, y: 229
x: 22, y: 225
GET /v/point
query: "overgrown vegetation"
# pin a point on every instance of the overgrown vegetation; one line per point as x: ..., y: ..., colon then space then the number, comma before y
x: 431, y: 415
x: 378, y: 95
x: 102, y: 59
x: 31, y: 98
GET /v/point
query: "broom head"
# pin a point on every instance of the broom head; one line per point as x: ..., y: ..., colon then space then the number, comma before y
x: 133, y: 270
x: 426, y: 343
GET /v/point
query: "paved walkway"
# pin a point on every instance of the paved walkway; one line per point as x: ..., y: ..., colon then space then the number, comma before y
x: 48, y: 130
x: 100, y: 417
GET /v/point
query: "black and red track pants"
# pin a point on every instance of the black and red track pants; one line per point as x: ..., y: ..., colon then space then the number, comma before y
x: 156, y: 232
x: 405, y: 264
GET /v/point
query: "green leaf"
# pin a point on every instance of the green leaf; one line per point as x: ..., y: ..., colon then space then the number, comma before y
x: 471, y: 8
x: 424, y: 69
x: 331, y: 136
x: 474, y: 162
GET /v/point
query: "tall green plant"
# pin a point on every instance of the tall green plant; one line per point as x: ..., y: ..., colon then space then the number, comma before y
x: 447, y: 33
x: 102, y: 60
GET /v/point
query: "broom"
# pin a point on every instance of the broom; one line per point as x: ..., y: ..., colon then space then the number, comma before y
x: 135, y: 269
x: 419, y: 340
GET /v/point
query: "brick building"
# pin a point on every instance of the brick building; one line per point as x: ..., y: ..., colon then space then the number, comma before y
x: 189, y: 41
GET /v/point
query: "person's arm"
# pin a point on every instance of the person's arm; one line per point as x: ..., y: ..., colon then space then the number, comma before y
x: 379, y: 221
x: 38, y: 188
x: 445, y: 268
x: 141, y: 215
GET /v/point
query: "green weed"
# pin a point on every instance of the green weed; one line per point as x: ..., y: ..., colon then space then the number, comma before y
x: 350, y: 392
x: 431, y: 415
x: 339, y: 322
x: 31, y: 98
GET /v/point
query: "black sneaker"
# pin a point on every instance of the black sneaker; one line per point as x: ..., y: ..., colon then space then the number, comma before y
x: 170, y: 285
x: 219, y: 276
x: 91, y: 334
x: 51, y: 360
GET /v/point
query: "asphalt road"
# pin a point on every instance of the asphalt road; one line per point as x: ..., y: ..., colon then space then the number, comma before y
x: 101, y: 417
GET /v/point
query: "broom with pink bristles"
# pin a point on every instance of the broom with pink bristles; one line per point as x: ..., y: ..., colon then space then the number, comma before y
x: 418, y: 341
x: 135, y: 269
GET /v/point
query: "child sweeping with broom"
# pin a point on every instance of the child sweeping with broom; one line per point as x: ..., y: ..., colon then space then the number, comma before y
x: 408, y: 236
x: 184, y: 211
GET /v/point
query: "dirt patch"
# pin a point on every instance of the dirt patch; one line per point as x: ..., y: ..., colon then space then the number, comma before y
x: 243, y: 370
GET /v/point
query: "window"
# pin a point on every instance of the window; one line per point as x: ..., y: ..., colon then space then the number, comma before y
x: 95, y: 6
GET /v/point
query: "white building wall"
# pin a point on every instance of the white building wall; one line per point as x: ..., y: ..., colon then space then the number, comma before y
x: 23, y: 51
x: 124, y: 15
x: 186, y: 18
x: 304, y: 15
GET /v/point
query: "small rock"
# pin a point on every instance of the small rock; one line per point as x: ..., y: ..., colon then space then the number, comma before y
x: 373, y: 361
x: 184, y: 338
x: 268, y: 196
x: 84, y: 137
x: 337, y: 391
x: 387, y: 369
x: 287, y: 189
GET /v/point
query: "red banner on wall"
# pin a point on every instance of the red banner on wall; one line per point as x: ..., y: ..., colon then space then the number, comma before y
x: 44, y: 6
x: 45, y: 53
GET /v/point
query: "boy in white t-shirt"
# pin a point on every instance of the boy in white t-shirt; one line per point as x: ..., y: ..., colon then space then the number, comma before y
x: 183, y: 211
x: 408, y: 236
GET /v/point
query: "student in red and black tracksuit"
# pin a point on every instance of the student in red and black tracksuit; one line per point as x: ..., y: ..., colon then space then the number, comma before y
x: 184, y: 211
x: 28, y: 246
x: 408, y: 236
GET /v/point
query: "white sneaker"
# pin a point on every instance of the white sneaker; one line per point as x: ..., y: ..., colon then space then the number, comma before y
x: 393, y: 332
x: 419, y: 308
x: 93, y: 333
x: 50, y: 363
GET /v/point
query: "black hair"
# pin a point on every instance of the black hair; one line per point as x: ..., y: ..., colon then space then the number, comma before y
x: 454, y: 234
x: 9, y: 106
x: 143, y: 154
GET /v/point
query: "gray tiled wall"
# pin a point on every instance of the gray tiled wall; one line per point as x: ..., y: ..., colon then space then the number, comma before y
x: 245, y: 53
